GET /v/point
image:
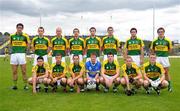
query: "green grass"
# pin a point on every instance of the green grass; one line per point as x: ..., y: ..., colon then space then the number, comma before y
x: 21, y: 100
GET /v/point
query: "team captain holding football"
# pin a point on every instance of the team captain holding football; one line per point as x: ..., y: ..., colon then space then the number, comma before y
x: 83, y: 76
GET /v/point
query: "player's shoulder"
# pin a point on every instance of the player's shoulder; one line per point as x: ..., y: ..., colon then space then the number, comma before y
x: 13, y: 34
x: 71, y: 65
x: 53, y: 64
x: 63, y: 64
x: 158, y: 65
x: 155, y: 40
x: 88, y: 63
x: 123, y: 66
x: 46, y: 65
x: 105, y: 37
x: 146, y: 64
x: 167, y: 39
x: 116, y: 62
x: 134, y: 65
x: 81, y: 39
x: 116, y: 37
x: 53, y: 38
x: 128, y: 39
x: 25, y: 34
x: 64, y: 38
x: 71, y: 39
x: 98, y: 63
x: 81, y: 64
x: 34, y: 38
x: 139, y: 38
x: 105, y: 61
x: 46, y: 38
x: 87, y: 38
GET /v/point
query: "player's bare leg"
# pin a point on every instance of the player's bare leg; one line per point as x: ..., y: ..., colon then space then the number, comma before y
x: 168, y: 78
x: 15, y: 76
x: 23, y: 70
x: 80, y: 83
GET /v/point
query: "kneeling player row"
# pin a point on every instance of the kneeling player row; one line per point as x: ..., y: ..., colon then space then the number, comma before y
x: 92, y: 74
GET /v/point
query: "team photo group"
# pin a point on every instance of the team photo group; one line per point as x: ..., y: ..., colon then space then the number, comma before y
x: 87, y: 70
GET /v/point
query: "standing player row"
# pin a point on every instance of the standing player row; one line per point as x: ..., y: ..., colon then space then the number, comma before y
x: 41, y: 45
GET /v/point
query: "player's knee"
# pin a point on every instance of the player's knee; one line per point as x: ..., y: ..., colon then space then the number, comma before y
x: 165, y: 83
x: 64, y: 80
x: 29, y: 81
x: 146, y: 83
x: 45, y: 80
x: 48, y: 81
x: 85, y: 80
x: 14, y: 72
x: 97, y: 81
x: 80, y: 81
x: 68, y: 81
x: 117, y: 80
x: 140, y: 82
x: 123, y: 81
x: 101, y: 80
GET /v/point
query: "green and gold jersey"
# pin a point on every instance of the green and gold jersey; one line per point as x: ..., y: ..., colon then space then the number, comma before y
x: 134, y: 46
x: 40, y: 45
x: 110, y: 44
x: 93, y: 45
x: 59, y: 46
x: 19, y: 43
x: 110, y: 68
x: 153, y: 71
x: 161, y: 46
x: 40, y: 70
x: 76, y: 46
x: 76, y: 69
x: 58, y: 69
x: 132, y: 71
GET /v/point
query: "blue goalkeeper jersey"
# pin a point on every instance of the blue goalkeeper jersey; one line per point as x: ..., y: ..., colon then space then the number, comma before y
x: 93, y: 69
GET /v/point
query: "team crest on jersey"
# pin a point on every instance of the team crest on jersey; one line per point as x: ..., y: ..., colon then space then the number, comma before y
x: 90, y: 68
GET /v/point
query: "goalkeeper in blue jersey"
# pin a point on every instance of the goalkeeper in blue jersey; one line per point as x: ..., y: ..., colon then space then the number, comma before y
x: 93, y: 68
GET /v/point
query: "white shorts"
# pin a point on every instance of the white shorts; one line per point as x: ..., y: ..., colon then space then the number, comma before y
x: 54, y: 59
x: 80, y: 58
x: 164, y: 61
x: 109, y: 77
x: 136, y: 59
x: 88, y: 59
x: 36, y: 56
x: 18, y: 59
x: 105, y: 57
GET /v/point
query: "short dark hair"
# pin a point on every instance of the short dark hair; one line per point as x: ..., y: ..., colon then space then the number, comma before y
x: 110, y: 53
x: 92, y: 28
x: 41, y: 28
x: 75, y: 55
x: 40, y: 57
x: 93, y: 54
x: 58, y: 54
x: 110, y: 28
x: 19, y: 24
x: 75, y: 29
x: 161, y: 28
x: 133, y: 29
